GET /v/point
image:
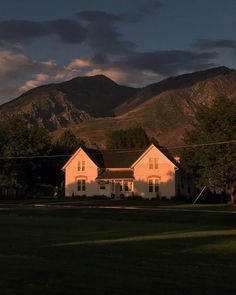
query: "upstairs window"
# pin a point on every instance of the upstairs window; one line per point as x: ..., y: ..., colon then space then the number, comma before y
x: 153, y: 163
x: 81, y: 165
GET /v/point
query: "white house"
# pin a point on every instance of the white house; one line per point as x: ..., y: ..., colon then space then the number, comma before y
x: 149, y: 173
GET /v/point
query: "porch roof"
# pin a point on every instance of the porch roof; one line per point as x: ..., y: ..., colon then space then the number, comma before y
x: 122, y: 174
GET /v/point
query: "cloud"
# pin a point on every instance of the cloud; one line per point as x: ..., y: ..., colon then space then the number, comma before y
x: 19, y: 73
x: 78, y: 63
x: 99, y: 16
x: 7, y: 90
x: 205, y: 44
x: 168, y: 62
x: 29, y: 85
x: 151, y: 6
x: 106, y: 51
x: 16, y: 63
x: 111, y: 53
x: 23, y: 31
x: 130, y: 77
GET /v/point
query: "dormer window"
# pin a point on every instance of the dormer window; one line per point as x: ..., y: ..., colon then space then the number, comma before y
x: 153, y: 163
x: 81, y: 165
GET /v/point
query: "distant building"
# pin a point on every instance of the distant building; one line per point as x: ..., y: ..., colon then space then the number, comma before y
x: 149, y: 173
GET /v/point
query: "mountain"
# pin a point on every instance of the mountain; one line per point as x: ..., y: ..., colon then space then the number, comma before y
x: 94, y: 106
x: 165, y: 109
x: 172, y: 83
x: 57, y: 106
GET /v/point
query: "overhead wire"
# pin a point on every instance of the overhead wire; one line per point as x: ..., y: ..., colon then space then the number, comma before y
x: 121, y: 151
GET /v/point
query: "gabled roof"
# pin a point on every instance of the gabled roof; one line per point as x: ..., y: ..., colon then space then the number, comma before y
x: 119, y: 158
x: 89, y: 152
x: 95, y: 156
x: 164, y: 151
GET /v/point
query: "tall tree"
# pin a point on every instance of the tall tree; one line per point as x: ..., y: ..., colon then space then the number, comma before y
x: 67, y: 143
x: 19, y: 144
x: 128, y: 138
x: 214, y: 163
x: 63, y: 146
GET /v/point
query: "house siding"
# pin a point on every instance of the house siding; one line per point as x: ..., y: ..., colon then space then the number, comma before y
x: 89, y: 175
x: 165, y: 173
x: 141, y: 178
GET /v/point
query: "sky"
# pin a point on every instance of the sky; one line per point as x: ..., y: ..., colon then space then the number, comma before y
x: 133, y: 42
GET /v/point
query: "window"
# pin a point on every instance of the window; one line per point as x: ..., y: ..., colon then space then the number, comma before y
x: 81, y: 165
x: 81, y: 185
x: 102, y: 185
x: 153, y: 163
x: 150, y: 185
x: 127, y: 186
x: 156, y: 183
x: 153, y: 185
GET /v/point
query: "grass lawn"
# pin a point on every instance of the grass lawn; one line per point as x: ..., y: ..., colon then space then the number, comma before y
x: 105, y: 251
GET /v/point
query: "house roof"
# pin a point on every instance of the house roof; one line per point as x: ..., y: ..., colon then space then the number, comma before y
x: 123, y: 174
x: 164, y: 151
x: 95, y: 156
x: 114, y: 158
x: 168, y: 155
x: 119, y: 158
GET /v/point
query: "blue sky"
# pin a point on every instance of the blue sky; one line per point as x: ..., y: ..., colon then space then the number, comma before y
x: 134, y: 42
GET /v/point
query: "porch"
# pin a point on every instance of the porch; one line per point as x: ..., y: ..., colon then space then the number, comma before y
x: 116, y: 184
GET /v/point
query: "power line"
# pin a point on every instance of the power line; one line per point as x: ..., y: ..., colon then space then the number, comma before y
x: 123, y: 151
x: 33, y: 157
x: 200, y: 144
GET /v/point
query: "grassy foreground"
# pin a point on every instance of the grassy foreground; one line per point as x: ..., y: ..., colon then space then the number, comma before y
x: 113, y: 251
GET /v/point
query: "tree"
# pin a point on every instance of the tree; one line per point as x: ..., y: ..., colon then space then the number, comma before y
x: 18, y: 143
x: 64, y: 145
x: 67, y: 143
x: 214, y: 163
x: 128, y: 139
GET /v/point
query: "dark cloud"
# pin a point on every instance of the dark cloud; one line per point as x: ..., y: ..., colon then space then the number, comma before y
x: 213, y: 44
x: 167, y: 63
x: 102, y: 16
x: 22, y: 31
x: 128, y: 17
x: 104, y: 39
x: 107, y: 51
x: 110, y: 50
x: 151, y: 6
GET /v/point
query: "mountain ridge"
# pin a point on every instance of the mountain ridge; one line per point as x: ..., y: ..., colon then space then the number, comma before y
x: 94, y: 106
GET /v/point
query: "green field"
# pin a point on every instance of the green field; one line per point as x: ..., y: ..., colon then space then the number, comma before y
x: 79, y: 250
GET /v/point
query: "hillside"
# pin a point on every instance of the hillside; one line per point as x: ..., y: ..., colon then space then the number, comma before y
x: 57, y: 106
x: 165, y: 114
x: 94, y: 106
